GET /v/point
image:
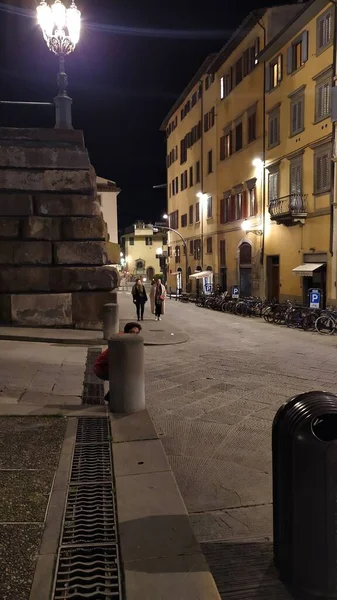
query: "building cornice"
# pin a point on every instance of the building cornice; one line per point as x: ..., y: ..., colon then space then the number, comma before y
x: 309, y: 11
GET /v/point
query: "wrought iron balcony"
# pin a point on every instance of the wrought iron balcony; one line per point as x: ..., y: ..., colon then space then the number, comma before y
x: 289, y: 209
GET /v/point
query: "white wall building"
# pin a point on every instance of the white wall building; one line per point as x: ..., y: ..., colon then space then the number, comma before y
x: 107, y: 193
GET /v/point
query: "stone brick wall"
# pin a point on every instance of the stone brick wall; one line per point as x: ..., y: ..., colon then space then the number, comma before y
x: 54, y: 257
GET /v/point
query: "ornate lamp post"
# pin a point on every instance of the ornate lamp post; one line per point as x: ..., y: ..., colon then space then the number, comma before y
x: 61, y: 30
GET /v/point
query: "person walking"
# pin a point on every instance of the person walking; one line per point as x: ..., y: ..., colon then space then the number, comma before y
x: 139, y: 298
x: 158, y: 296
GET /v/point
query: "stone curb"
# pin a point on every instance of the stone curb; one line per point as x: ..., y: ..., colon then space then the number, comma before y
x: 160, y: 554
x: 46, y: 562
x: 82, y: 342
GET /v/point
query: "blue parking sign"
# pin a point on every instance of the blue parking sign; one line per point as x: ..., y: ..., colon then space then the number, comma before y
x: 314, y: 298
x: 235, y: 291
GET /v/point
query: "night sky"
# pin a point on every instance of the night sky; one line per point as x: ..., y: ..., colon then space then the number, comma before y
x: 131, y: 64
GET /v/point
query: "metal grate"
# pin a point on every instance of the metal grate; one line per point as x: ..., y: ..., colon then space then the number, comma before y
x: 90, y: 516
x: 93, y: 388
x: 92, y: 430
x: 91, y: 463
x: 88, y: 564
x: 88, y: 573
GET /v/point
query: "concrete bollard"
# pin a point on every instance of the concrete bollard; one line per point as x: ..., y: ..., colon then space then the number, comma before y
x: 126, y: 374
x: 110, y: 320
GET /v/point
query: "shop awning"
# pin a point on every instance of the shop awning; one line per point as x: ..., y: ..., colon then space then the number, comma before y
x: 201, y: 274
x: 307, y: 269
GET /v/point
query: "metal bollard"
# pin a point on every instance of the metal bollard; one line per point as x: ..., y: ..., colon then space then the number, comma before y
x: 110, y: 320
x: 126, y: 374
x: 304, y: 494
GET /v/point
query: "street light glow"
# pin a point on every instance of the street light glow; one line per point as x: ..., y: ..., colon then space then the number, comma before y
x: 245, y: 225
x: 60, y: 26
x: 165, y: 216
x: 257, y: 162
x: 121, y: 254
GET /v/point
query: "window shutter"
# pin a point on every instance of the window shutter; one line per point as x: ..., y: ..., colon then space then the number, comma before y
x: 334, y: 103
x: 279, y: 68
x: 290, y: 60
x: 222, y: 210
x: 267, y: 78
x: 304, y: 46
x: 318, y: 173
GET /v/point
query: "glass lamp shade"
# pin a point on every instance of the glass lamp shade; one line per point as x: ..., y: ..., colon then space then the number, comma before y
x: 45, y: 19
x: 74, y: 23
x: 59, y: 14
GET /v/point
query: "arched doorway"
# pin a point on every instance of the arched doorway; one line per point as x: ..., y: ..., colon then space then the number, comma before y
x: 245, y: 266
x: 149, y: 273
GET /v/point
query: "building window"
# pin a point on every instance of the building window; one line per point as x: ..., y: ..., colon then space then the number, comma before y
x: 209, y: 210
x: 191, y: 176
x: 194, y: 99
x: 274, y: 127
x: 297, y: 112
x: 323, y: 97
x: 238, y: 137
x: 209, y: 248
x: 322, y: 170
x: 197, y: 172
x: 190, y: 214
x: 230, y: 209
x: 174, y: 219
x: 197, y: 212
x: 296, y: 178
x: 177, y: 254
x: 148, y: 241
x: 197, y: 248
x: 297, y: 53
x: 210, y: 161
x: 324, y: 30
x: 273, y: 187
x: 226, y: 84
x: 251, y: 127
x: 252, y: 201
x: 191, y: 247
x: 238, y: 204
x: 238, y: 71
x: 274, y: 73
x: 226, y: 146
x: 183, y: 220
x: 169, y: 251
x: 132, y: 241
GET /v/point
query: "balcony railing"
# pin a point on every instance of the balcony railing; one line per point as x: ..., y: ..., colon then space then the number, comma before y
x: 288, y: 207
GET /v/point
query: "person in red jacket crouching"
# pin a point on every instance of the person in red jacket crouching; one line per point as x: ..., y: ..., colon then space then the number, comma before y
x: 101, y: 365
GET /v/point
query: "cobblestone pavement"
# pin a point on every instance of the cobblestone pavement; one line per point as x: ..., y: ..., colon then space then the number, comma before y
x: 213, y: 400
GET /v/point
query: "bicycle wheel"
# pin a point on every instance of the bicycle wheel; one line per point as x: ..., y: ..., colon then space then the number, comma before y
x: 308, y: 323
x: 325, y: 325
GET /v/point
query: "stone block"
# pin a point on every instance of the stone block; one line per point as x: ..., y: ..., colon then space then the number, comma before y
x: 24, y: 279
x: 66, y: 205
x: 41, y: 228
x: 32, y: 253
x: 41, y: 310
x: 84, y: 228
x: 83, y: 279
x: 82, y: 253
x: 38, y: 134
x: 16, y: 205
x: 87, y: 308
x: 9, y: 228
x: 48, y: 180
x: 43, y: 157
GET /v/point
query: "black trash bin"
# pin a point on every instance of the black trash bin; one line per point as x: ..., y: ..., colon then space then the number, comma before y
x: 304, y: 441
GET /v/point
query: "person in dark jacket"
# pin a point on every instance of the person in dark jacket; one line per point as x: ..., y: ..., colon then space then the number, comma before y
x: 139, y: 298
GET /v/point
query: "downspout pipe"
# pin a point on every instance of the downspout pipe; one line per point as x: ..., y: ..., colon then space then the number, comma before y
x: 333, y: 212
x: 263, y: 191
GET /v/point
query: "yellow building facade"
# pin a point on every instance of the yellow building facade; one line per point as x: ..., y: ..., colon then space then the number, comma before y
x: 143, y: 248
x: 253, y: 124
x: 299, y: 66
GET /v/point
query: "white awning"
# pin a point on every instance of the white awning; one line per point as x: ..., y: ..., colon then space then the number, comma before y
x: 201, y: 274
x: 307, y: 269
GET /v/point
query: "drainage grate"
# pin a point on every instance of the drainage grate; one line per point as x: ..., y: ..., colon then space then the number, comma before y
x: 88, y: 564
x: 88, y: 573
x: 92, y: 430
x: 91, y: 463
x: 93, y: 388
x: 90, y: 516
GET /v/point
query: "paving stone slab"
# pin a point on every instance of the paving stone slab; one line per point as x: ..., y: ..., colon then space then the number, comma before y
x: 18, y: 559
x: 134, y: 458
x: 30, y: 441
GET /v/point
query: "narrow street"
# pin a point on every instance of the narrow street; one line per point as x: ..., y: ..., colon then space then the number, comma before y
x: 213, y: 400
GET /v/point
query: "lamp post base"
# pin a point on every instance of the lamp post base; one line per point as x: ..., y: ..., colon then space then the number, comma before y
x: 63, y: 118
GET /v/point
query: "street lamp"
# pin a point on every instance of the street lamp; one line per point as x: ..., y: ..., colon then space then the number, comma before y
x: 61, y: 31
x: 247, y: 228
x: 158, y: 226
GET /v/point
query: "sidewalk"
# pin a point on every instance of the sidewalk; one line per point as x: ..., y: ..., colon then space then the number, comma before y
x: 155, y: 333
